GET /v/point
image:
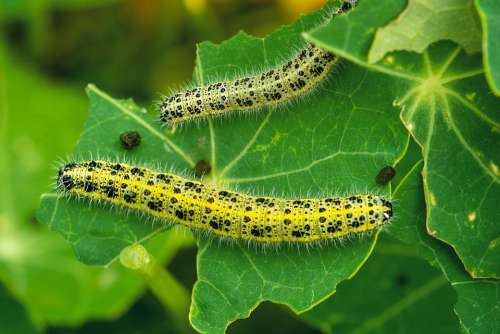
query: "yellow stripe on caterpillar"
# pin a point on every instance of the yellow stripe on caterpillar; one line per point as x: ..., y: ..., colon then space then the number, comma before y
x: 297, y: 76
x: 222, y: 212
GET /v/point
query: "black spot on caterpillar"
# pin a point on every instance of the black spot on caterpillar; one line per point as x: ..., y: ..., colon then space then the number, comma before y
x: 223, y: 212
x: 130, y: 139
x: 385, y: 175
x: 295, y: 77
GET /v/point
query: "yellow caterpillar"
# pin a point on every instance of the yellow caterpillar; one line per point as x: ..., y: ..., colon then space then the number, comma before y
x: 222, y: 212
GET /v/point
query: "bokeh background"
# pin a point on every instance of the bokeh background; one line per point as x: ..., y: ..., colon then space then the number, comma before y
x: 49, y: 51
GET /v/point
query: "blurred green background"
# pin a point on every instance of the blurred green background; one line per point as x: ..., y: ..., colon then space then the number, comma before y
x: 49, y: 51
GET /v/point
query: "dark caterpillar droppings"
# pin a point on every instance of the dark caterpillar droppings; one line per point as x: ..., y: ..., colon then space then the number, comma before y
x: 202, y: 168
x: 130, y: 139
x: 385, y: 175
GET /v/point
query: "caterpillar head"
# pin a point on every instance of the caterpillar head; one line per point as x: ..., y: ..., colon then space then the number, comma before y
x: 387, y: 210
x: 65, y: 181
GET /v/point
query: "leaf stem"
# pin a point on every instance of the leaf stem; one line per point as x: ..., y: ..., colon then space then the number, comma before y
x: 172, y: 294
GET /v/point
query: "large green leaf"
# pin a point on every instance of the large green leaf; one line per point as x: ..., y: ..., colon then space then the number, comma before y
x: 478, y: 300
x: 449, y: 110
x: 424, y: 22
x: 477, y: 314
x: 334, y: 141
x: 318, y: 146
x: 37, y: 265
x: 489, y: 12
x: 396, y: 291
x: 478, y: 305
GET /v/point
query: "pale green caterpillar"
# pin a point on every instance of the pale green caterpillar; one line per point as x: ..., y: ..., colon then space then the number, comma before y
x: 295, y: 77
